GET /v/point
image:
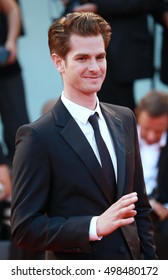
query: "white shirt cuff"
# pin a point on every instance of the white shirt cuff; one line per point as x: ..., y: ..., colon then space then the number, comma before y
x: 92, y: 230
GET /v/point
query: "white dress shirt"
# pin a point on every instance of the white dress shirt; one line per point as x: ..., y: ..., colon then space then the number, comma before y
x: 81, y: 115
x: 150, y: 156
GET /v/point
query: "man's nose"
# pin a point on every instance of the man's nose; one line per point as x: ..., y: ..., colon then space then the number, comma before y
x: 93, y: 65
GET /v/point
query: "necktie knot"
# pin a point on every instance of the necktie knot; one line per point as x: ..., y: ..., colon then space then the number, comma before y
x: 93, y: 119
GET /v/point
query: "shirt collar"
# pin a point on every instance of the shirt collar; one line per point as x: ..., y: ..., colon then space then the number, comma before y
x: 161, y: 143
x: 79, y: 112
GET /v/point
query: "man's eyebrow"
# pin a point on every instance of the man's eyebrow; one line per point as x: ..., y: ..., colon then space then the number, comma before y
x: 81, y: 54
x: 88, y: 54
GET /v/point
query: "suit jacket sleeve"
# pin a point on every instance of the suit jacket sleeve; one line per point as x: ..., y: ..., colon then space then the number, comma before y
x: 143, y: 220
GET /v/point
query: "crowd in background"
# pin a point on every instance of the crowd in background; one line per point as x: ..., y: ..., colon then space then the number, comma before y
x: 130, y: 57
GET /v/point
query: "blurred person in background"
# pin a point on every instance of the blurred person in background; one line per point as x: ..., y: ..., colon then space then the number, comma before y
x: 10, y: 24
x: 152, y: 120
x: 13, y: 113
x: 13, y: 109
x: 130, y: 55
x: 48, y: 105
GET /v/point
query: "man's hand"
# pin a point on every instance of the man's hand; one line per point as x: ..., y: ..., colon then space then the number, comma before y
x: 12, y: 48
x: 119, y: 214
x: 160, y: 210
x: 12, y: 13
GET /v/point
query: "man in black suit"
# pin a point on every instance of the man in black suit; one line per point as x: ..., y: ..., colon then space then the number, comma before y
x: 152, y: 118
x: 130, y: 54
x: 61, y: 200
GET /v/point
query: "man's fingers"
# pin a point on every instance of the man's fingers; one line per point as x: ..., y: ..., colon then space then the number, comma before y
x: 125, y: 201
x: 126, y: 212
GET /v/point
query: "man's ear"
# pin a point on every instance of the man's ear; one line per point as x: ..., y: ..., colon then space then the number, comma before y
x: 58, y: 62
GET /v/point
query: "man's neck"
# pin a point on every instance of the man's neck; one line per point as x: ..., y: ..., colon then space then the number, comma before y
x: 86, y: 100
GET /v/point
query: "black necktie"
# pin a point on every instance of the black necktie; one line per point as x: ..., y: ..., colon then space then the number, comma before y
x: 107, y: 165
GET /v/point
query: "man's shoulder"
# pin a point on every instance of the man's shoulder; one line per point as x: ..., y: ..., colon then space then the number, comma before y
x: 40, y: 125
x: 117, y: 111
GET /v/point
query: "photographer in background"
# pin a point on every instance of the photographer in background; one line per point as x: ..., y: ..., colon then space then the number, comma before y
x: 152, y: 123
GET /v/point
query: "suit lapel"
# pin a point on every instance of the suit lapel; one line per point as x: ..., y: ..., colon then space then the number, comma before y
x: 75, y: 138
x: 116, y: 130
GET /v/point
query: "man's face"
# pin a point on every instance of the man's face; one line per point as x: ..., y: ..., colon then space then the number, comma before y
x: 152, y: 127
x: 84, y: 68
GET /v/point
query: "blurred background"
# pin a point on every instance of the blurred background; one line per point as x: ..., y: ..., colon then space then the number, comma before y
x: 42, y: 82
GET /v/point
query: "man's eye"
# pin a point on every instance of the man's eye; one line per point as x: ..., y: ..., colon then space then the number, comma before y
x: 82, y: 58
x: 101, y: 57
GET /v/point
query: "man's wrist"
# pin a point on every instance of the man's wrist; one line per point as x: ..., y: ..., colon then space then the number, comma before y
x: 93, y: 230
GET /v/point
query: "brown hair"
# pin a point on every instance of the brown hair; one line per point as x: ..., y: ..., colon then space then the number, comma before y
x: 79, y: 23
x: 155, y: 103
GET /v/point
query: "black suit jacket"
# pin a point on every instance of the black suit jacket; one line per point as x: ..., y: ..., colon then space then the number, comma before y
x: 58, y: 186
